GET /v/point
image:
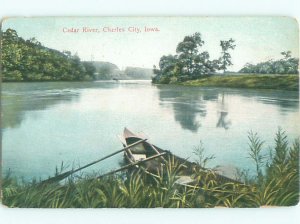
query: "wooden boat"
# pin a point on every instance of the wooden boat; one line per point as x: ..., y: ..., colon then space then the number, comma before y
x: 186, y: 170
x: 154, y: 161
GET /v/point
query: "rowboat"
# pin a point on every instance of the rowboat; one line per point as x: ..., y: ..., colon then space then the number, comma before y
x: 186, y: 170
x: 140, y: 154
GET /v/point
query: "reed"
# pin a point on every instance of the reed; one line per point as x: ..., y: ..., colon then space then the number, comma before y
x: 276, y: 184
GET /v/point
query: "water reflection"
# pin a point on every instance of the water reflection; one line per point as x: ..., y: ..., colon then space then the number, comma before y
x: 15, y: 106
x: 189, y: 104
x: 223, y: 121
x: 187, y: 114
x: 81, y: 119
x: 19, y: 98
x: 285, y: 100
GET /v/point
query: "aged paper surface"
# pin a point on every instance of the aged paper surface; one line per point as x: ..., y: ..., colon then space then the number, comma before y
x: 206, y: 110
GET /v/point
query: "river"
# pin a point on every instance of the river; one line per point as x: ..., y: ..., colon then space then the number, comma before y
x: 44, y: 124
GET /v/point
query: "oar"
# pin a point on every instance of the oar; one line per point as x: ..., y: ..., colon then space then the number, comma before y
x: 157, y: 152
x: 68, y: 173
x: 132, y: 164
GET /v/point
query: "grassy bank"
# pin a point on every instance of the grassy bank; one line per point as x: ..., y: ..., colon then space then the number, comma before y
x: 276, y: 183
x: 283, y: 82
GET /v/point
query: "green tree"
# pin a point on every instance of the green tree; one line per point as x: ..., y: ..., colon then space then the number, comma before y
x: 28, y: 60
x: 225, y: 59
x: 90, y: 69
x: 187, y: 51
x: 190, y: 62
x: 167, y: 69
x: 285, y: 65
x: 286, y: 54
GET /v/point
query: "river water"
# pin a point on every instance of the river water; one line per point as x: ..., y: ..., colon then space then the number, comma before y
x: 44, y: 124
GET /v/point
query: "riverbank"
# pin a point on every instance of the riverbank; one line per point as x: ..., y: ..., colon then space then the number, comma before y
x: 276, y: 184
x: 251, y: 81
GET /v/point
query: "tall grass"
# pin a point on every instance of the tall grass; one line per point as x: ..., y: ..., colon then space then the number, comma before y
x: 276, y: 184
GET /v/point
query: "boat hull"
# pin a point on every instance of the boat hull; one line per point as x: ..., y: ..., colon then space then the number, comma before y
x: 183, y: 167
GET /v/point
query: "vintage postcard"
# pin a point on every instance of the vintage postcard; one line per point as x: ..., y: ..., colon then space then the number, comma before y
x: 145, y: 112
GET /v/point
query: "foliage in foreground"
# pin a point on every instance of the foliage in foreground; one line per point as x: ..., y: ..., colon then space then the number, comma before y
x: 276, y: 183
x: 284, y: 82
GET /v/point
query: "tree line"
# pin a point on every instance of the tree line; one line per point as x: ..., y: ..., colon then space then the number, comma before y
x: 285, y: 65
x: 28, y: 60
x: 190, y: 62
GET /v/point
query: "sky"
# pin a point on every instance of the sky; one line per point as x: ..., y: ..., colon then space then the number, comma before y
x: 257, y: 38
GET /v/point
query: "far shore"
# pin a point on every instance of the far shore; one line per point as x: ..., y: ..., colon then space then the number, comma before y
x: 250, y: 81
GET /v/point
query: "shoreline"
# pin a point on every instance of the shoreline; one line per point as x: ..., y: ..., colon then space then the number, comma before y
x: 249, y: 81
